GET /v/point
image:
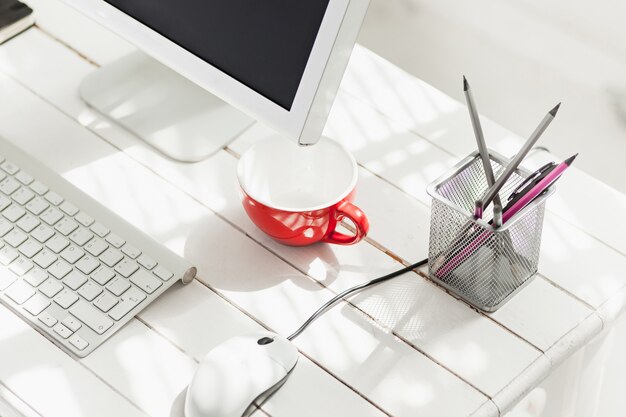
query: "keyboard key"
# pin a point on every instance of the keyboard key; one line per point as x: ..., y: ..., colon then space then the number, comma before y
x: 66, y: 298
x: 66, y: 226
x: 9, y: 185
x: 57, y: 243
x: 146, y: 281
x: 30, y: 248
x: 118, y: 286
x: 111, y: 256
x: 5, y: 226
x: 3, y: 175
x: 9, y: 167
x: 23, y: 196
x: 47, y: 319
x: 72, y: 254
x: 50, y: 287
x: 15, y: 238
x: 131, y: 251
x: 28, y: 223
x: 37, y: 206
x: 59, y: 269
x: 162, y: 273
x: 147, y: 262
x: 7, y: 255
x: 13, y: 212
x: 84, y: 219
x: 89, y: 291
x: 71, y: 323
x: 24, y: 177
x: 68, y: 208
x: 102, y: 275
x: 78, y: 342
x: 89, y: 315
x: 36, y: 304
x: 39, y: 188
x: 19, y: 292
x: 35, y: 277
x: 99, y: 229
x: 115, y: 240
x: 126, y: 268
x: 74, y: 280
x: 53, y: 198
x: 87, y: 264
x: 51, y: 215
x: 128, y: 301
x: 96, y: 247
x: 105, y: 302
x: 21, y: 266
x: 4, y: 202
x: 81, y: 236
x: 62, y: 331
x: 45, y: 258
x: 42, y: 233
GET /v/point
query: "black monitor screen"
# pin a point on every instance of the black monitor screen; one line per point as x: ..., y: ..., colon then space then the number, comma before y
x: 264, y: 44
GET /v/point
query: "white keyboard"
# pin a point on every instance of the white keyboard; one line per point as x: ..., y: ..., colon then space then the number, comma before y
x: 69, y: 266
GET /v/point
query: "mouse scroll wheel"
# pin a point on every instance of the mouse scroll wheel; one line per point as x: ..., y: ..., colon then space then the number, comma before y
x: 265, y: 341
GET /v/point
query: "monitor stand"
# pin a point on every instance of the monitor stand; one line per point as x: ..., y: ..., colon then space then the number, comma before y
x: 166, y: 110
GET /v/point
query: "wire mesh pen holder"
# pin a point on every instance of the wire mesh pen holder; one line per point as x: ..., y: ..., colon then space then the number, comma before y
x: 482, y: 264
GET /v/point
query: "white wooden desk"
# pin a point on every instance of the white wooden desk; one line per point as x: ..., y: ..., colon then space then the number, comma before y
x: 404, y: 348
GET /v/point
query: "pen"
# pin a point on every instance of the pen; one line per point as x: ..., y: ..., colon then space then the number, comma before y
x: 512, y: 166
x: 482, y: 148
x: 518, y: 203
x: 529, y: 183
x: 525, y: 198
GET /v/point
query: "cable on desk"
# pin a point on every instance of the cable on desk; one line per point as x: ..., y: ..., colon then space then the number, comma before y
x: 349, y: 291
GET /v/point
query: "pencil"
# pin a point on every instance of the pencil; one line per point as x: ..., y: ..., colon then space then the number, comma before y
x: 512, y: 166
x: 482, y: 148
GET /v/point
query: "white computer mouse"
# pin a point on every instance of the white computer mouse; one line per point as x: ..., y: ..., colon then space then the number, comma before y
x: 237, y: 373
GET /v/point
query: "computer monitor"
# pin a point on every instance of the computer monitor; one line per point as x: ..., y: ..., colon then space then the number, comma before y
x: 278, y: 61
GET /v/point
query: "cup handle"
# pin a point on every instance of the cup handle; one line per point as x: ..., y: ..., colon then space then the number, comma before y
x: 358, y: 218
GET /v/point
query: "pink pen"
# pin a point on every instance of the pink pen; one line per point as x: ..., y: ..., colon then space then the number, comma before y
x: 539, y: 188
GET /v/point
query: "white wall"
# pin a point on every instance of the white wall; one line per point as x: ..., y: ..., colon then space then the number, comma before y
x: 522, y: 57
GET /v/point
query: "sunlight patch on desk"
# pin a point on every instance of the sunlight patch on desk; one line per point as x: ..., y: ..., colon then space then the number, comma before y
x: 368, y: 75
x: 47, y: 376
x: 595, y: 278
x: 317, y: 269
x: 395, y: 157
x: 87, y: 117
x: 143, y: 365
x: 468, y: 359
x: 106, y: 181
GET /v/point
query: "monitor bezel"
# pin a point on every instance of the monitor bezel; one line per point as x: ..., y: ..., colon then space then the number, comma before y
x: 313, y: 98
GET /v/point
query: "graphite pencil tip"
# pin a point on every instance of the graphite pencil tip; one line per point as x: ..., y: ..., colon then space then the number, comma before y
x: 555, y: 109
x: 465, y: 84
x: 569, y: 160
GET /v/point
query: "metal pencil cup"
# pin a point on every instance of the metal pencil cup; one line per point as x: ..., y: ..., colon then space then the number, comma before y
x: 482, y: 264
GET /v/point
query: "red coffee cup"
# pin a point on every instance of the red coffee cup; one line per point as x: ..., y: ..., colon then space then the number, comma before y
x: 298, y: 195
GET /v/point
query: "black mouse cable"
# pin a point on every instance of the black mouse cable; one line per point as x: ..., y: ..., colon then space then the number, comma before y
x: 349, y: 291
